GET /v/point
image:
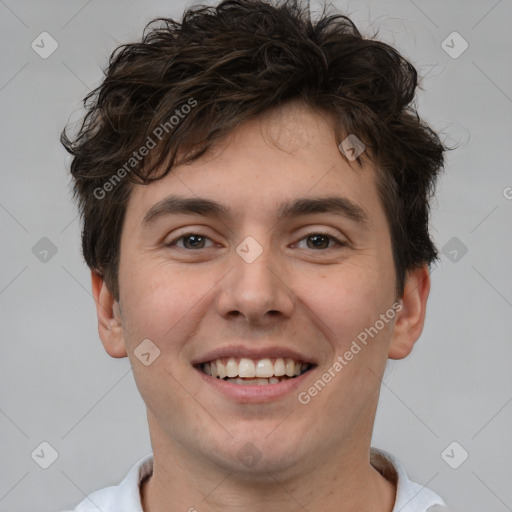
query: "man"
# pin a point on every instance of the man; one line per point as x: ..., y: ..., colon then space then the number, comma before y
x: 254, y: 190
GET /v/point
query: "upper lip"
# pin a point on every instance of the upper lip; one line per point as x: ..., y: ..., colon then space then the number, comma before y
x: 252, y: 353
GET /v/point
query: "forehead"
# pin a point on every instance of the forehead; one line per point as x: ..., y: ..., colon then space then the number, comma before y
x: 266, y: 162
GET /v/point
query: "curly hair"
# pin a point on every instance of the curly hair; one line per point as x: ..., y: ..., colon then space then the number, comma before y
x: 188, y: 84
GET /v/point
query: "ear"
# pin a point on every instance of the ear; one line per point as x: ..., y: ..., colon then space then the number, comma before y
x: 411, y: 318
x: 110, y: 326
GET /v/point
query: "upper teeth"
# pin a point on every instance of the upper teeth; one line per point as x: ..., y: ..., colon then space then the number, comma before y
x: 243, y: 367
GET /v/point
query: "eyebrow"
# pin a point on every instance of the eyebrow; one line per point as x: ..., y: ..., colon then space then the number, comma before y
x: 176, y: 205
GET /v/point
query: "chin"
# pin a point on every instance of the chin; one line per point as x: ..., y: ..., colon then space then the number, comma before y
x: 256, y: 458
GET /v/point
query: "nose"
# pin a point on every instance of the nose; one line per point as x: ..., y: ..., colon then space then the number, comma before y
x: 257, y: 291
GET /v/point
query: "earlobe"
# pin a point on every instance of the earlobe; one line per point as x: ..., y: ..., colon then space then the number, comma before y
x: 110, y: 326
x: 411, y: 318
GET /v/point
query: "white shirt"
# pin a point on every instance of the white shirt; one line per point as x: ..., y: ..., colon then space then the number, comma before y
x: 125, y: 497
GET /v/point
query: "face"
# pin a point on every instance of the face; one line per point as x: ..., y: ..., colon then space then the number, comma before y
x: 260, y: 277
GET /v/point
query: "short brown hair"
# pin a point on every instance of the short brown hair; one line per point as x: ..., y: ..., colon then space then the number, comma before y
x: 230, y: 63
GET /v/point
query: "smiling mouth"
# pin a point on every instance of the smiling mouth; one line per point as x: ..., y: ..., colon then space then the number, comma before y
x: 246, y: 371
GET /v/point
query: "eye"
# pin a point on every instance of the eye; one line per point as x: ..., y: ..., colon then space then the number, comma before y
x: 320, y: 241
x: 190, y: 241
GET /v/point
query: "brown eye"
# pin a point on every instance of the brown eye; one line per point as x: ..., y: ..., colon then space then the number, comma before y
x: 319, y: 241
x: 190, y: 241
x: 194, y: 242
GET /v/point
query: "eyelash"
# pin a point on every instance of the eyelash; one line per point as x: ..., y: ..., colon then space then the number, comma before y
x: 313, y: 233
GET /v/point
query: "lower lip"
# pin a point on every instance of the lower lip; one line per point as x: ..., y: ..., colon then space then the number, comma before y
x: 254, y: 393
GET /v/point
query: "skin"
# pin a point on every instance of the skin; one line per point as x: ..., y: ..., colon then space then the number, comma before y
x: 189, y: 301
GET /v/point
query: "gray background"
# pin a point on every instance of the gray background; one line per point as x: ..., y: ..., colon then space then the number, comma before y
x: 59, y: 386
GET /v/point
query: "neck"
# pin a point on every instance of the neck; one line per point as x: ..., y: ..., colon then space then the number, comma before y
x: 341, y: 482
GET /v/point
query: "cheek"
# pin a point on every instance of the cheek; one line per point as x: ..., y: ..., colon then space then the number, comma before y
x: 154, y: 299
x: 165, y: 304
x: 349, y: 300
